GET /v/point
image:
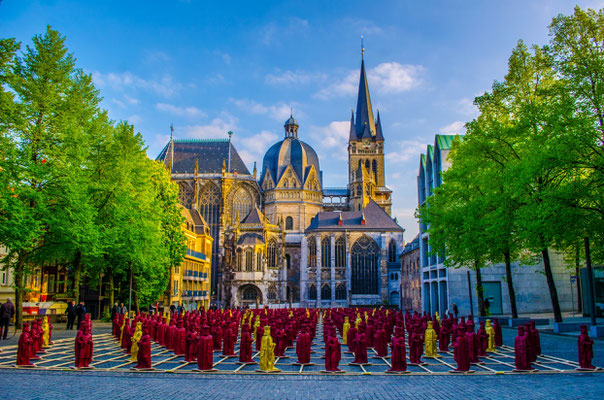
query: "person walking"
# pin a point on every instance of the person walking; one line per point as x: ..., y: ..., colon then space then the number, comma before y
x: 455, y: 310
x: 114, y: 311
x: 123, y: 309
x: 80, y: 312
x: 7, y: 311
x: 71, y: 315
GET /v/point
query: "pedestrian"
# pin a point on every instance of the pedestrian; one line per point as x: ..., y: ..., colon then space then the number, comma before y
x: 123, y: 309
x: 7, y: 310
x: 114, y: 311
x: 172, y: 308
x: 455, y: 310
x: 487, y: 305
x: 71, y: 315
x: 80, y: 312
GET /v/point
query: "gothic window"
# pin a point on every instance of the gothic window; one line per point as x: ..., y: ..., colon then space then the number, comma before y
x: 341, y: 252
x: 367, y: 165
x: 325, y: 253
x: 364, y: 265
x: 392, y: 251
x: 271, y: 294
x: 271, y: 253
x: 312, y: 292
x: 242, y: 204
x: 326, y: 292
x: 341, y: 292
x: 249, y: 255
x: 312, y: 252
x: 186, y: 194
x: 210, y: 210
x: 289, y: 223
x: 360, y: 163
x: 374, y: 168
x: 249, y: 293
x: 238, y: 261
x: 259, y: 262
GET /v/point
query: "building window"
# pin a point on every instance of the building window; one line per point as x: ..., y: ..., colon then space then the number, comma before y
x: 365, y: 272
x: 259, y: 262
x: 271, y: 294
x: 312, y: 292
x: 392, y: 251
x: 4, y: 273
x: 312, y: 252
x: 289, y: 223
x: 325, y: 253
x: 242, y: 204
x: 341, y: 252
x: 341, y: 292
x: 288, y: 261
x: 374, y: 168
x: 249, y: 293
x: 249, y: 256
x: 271, y: 251
x: 326, y: 292
x: 238, y: 260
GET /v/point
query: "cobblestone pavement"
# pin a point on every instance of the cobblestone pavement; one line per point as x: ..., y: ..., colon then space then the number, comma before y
x: 112, y: 377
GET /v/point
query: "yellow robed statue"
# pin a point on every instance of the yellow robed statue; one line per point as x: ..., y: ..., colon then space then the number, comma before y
x: 46, y: 330
x: 491, y: 332
x: 138, y: 333
x: 430, y: 342
x: 256, y: 325
x: 267, y: 352
x: 345, y: 330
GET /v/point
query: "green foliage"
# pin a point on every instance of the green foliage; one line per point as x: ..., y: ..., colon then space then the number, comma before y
x: 77, y: 189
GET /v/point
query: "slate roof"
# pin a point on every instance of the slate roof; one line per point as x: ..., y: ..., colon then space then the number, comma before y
x: 290, y: 151
x: 335, y: 191
x: 444, y: 141
x: 210, y: 153
x: 376, y: 219
x: 253, y: 217
x: 250, y: 239
x: 412, y: 245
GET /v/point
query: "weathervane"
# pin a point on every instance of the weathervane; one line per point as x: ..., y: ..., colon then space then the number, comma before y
x: 362, y: 48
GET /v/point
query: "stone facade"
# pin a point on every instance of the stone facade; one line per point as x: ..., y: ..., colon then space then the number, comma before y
x: 411, y: 277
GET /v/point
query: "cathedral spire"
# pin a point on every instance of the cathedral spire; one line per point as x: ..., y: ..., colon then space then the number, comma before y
x: 365, y: 124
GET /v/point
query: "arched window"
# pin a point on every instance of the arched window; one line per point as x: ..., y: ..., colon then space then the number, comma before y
x: 325, y: 253
x: 210, y: 209
x: 326, y: 292
x: 288, y: 261
x: 259, y: 262
x: 367, y: 165
x: 341, y: 252
x: 374, y: 168
x: 312, y: 252
x: 249, y: 257
x: 341, y: 292
x: 249, y: 293
x: 392, y: 251
x: 312, y: 292
x: 365, y: 272
x: 242, y: 204
x: 271, y: 253
x: 271, y: 294
x: 238, y: 260
x: 289, y: 223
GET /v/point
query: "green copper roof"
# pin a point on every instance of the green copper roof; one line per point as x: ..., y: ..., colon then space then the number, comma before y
x: 423, y: 160
x: 431, y: 151
x: 444, y: 141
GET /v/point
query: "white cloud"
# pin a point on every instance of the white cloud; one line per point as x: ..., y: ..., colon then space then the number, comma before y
x: 331, y: 140
x: 466, y: 107
x: 134, y: 119
x: 278, y: 112
x: 407, y: 150
x: 390, y: 77
x: 217, y: 128
x: 164, y: 86
x: 258, y: 144
x: 454, y: 128
x: 291, y: 78
x: 274, y: 33
x: 191, y: 112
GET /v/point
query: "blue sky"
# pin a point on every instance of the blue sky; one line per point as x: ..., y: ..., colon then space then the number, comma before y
x: 209, y: 67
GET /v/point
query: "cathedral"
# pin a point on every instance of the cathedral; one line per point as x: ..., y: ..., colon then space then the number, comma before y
x: 281, y: 237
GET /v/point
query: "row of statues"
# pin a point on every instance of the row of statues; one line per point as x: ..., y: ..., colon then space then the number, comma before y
x: 197, y: 335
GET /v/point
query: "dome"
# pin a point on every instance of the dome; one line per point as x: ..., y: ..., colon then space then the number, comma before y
x: 291, y: 121
x: 290, y: 151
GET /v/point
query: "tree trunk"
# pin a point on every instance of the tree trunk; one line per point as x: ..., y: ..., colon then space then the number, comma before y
x: 577, y: 274
x: 111, y: 288
x: 591, y: 285
x: 549, y: 276
x: 77, y: 275
x: 135, y: 294
x: 479, y: 289
x: 19, y: 289
x: 508, y: 278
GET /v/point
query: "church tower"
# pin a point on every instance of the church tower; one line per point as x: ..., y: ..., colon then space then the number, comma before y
x: 366, y: 153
